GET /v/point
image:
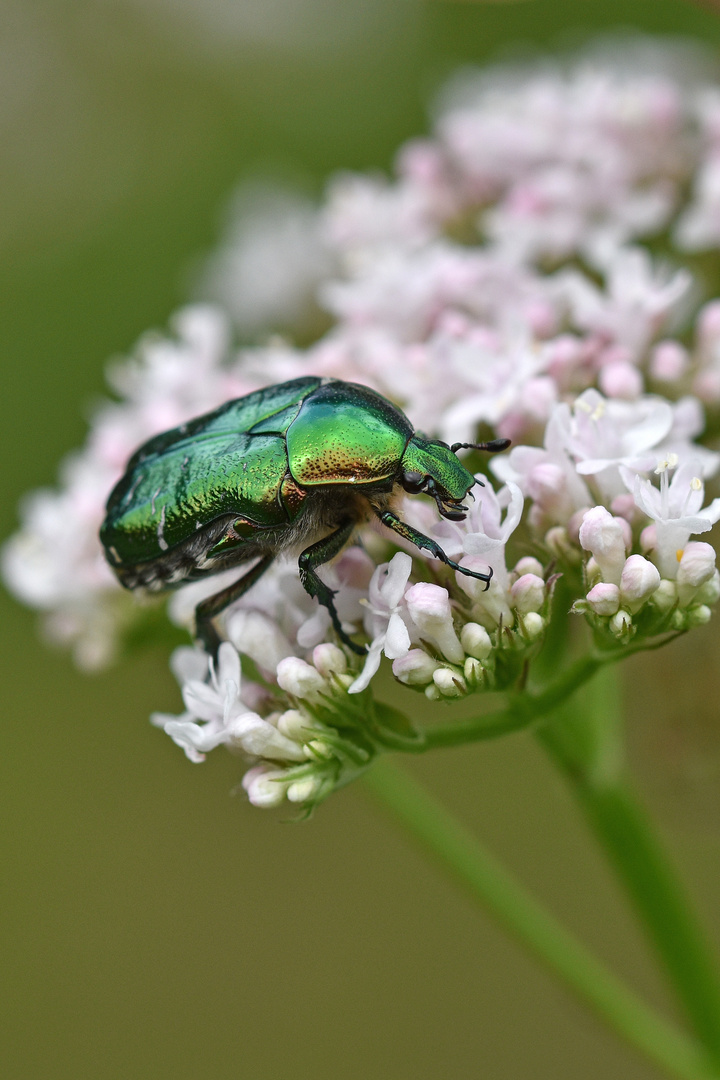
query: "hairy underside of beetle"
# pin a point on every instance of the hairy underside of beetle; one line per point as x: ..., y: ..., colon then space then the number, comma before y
x: 325, y: 510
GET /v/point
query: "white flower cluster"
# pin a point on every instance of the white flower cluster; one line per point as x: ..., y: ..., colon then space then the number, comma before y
x: 497, y: 283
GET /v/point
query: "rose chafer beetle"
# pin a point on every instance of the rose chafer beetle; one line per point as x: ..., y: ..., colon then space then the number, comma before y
x: 293, y: 467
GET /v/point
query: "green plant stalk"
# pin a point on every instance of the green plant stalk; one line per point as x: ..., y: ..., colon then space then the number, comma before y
x: 584, y: 741
x: 477, y: 870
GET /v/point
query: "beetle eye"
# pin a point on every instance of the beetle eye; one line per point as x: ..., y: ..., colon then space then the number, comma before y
x: 413, y: 482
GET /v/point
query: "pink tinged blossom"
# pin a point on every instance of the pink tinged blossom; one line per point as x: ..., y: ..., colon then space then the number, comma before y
x: 675, y: 508
x: 604, y: 436
x: 415, y: 668
x: 604, y: 598
x: 527, y: 593
x: 383, y: 621
x: 429, y: 608
x: 638, y: 300
x: 604, y: 537
x: 639, y: 580
x: 696, y: 567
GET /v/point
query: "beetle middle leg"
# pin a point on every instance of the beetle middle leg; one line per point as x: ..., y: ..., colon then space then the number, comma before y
x: 317, y: 554
x: 207, y: 609
x: 420, y: 540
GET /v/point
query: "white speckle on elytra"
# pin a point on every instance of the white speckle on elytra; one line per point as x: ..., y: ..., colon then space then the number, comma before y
x: 162, y: 542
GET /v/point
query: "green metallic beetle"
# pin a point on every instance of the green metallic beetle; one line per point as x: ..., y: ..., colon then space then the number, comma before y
x: 296, y: 466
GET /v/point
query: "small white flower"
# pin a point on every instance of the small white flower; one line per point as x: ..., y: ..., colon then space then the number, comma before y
x: 383, y: 621
x: 638, y: 581
x: 675, y: 508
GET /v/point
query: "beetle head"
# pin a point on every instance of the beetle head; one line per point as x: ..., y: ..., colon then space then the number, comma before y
x: 431, y: 468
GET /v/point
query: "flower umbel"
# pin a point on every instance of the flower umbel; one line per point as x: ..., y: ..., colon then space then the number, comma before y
x: 498, y: 283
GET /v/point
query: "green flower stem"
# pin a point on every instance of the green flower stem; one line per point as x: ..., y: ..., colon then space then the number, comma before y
x: 458, y: 851
x: 523, y: 709
x: 584, y: 740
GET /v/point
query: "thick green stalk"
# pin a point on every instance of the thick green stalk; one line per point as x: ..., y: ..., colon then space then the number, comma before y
x: 583, y: 740
x: 477, y: 870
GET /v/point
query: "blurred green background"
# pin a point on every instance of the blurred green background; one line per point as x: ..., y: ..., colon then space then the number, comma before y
x: 154, y: 926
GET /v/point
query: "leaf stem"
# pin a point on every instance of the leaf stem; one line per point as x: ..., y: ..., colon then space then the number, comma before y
x: 481, y: 875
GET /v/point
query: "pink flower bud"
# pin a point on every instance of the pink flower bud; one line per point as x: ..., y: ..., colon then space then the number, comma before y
x: 669, y: 361
x: 328, y: 659
x: 639, y: 580
x: 604, y: 598
x: 648, y: 538
x: 429, y: 608
x: 697, y: 565
x: 528, y: 565
x: 604, y: 536
x: 528, y: 593
x: 620, y: 380
x: 414, y: 669
x: 709, y: 322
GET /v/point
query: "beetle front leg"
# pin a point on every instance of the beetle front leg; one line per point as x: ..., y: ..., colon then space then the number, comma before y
x: 207, y: 609
x: 420, y: 540
x: 317, y: 554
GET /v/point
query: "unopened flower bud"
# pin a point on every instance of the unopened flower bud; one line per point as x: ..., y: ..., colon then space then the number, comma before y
x: 665, y: 596
x: 429, y: 608
x: 620, y: 624
x: 300, y: 679
x: 697, y: 565
x: 432, y: 693
x: 302, y: 790
x: 449, y: 683
x: 709, y: 593
x: 620, y: 379
x: 648, y: 539
x: 639, y: 579
x: 558, y: 542
x: 264, y: 787
x: 293, y: 725
x: 329, y: 660
x: 532, y: 625
x: 474, y: 672
x: 528, y: 593
x: 698, y: 616
x: 604, y: 536
x: 476, y: 640
x: 604, y: 598
x: 415, y: 668
x: 574, y: 523
x: 669, y: 361
x: 528, y: 565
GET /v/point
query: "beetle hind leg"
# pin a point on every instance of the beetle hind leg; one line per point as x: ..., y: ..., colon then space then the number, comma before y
x: 420, y: 540
x: 206, y: 610
x: 313, y: 557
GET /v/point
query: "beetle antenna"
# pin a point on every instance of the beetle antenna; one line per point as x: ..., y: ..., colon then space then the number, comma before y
x: 495, y: 446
